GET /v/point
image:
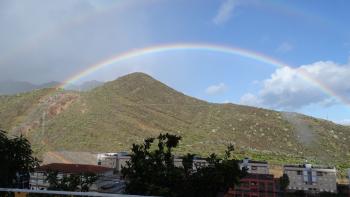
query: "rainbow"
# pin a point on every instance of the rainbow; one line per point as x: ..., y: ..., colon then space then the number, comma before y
x: 200, y: 47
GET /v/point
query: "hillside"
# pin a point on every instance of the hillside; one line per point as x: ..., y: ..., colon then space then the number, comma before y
x: 113, y: 116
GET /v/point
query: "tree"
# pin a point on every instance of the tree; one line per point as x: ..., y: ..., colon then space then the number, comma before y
x: 16, y: 159
x: 284, y: 182
x: 151, y: 171
x: 72, y: 182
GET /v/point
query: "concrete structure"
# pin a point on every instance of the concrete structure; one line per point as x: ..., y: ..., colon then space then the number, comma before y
x: 198, y: 162
x: 255, y: 167
x: 113, y: 160
x: 257, y: 183
x: 122, y: 158
x: 108, y: 160
x: 254, y: 185
x: 38, y: 177
x: 310, y: 178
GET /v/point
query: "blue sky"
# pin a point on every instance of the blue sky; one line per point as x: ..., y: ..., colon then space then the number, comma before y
x: 52, y: 40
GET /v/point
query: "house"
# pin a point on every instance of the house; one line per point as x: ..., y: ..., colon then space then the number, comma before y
x: 313, y: 179
x: 38, y: 177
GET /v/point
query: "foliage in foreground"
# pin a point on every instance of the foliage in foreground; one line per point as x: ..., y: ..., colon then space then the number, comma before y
x: 73, y: 182
x: 151, y: 171
x: 16, y: 160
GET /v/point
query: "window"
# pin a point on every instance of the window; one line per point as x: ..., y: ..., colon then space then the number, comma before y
x: 319, y: 174
x: 299, y: 172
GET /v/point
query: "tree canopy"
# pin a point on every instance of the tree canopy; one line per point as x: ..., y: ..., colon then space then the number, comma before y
x: 16, y: 160
x: 151, y: 171
x: 72, y: 182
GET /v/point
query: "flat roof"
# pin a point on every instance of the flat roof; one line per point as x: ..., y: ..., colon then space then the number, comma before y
x: 73, y: 168
x: 312, y: 166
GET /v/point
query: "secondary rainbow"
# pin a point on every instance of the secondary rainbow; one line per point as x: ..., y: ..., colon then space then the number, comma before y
x: 200, y: 47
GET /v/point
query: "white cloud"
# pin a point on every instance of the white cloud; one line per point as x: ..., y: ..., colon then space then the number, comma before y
x: 345, y: 122
x: 225, y: 11
x: 250, y: 99
x: 216, y: 89
x: 287, y: 88
x: 284, y: 47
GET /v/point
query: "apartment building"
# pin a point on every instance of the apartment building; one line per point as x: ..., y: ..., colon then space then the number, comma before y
x: 254, y: 167
x: 311, y: 178
x: 198, y: 162
x: 255, y: 185
x: 38, y: 177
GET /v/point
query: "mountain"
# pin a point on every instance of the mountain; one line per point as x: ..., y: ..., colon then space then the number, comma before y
x: 86, y: 86
x: 14, y: 87
x: 111, y: 117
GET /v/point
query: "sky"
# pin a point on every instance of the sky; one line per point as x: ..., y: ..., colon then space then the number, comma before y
x: 44, y: 41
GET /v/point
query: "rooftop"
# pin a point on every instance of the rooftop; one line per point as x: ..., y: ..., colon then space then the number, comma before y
x: 73, y: 168
x: 303, y: 166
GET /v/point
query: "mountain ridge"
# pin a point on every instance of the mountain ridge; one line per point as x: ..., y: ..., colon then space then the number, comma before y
x: 113, y: 116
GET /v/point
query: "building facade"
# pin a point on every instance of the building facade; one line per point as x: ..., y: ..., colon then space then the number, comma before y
x: 254, y: 167
x: 310, y: 178
x: 258, y: 182
x: 255, y: 185
x: 113, y: 160
x: 108, y: 160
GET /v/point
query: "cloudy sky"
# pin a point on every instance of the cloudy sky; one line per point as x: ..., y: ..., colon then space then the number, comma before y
x: 44, y: 41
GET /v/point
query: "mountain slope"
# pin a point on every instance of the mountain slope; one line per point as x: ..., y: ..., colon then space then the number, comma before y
x: 121, y: 112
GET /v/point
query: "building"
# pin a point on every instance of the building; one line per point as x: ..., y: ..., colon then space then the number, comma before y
x: 198, y: 162
x: 255, y: 185
x: 254, y: 167
x: 108, y: 160
x: 38, y: 177
x: 122, y: 158
x: 310, y: 178
x: 113, y: 160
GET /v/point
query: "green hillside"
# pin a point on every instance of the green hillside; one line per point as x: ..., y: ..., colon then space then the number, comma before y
x: 125, y: 111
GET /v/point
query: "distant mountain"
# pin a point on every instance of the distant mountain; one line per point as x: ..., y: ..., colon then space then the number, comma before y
x: 86, y: 86
x: 51, y: 84
x: 15, y: 87
x: 113, y: 116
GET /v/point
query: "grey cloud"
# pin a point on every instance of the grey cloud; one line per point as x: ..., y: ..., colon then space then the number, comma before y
x: 50, y: 40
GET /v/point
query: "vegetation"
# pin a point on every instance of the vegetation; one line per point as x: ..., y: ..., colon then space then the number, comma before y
x: 151, y: 171
x: 73, y: 182
x: 136, y: 106
x: 16, y: 161
x: 284, y: 182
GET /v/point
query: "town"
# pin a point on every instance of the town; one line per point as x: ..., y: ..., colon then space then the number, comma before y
x: 305, y: 178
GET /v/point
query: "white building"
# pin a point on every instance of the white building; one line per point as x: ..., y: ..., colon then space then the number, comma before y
x: 254, y: 167
x: 113, y: 160
x: 108, y: 160
x: 311, y: 178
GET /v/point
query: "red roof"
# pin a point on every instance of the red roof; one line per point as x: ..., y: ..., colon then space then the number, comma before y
x: 73, y: 168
